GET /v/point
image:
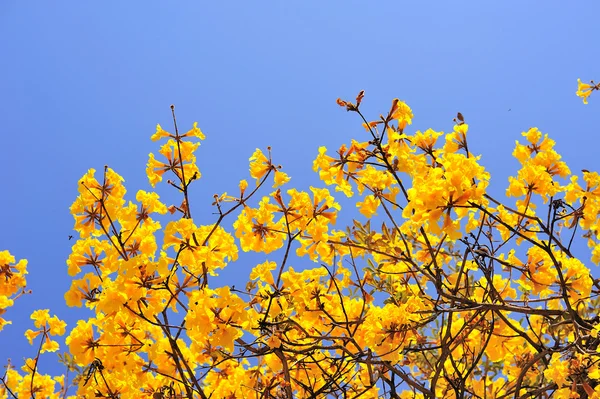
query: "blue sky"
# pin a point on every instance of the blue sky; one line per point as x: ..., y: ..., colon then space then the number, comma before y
x: 84, y: 84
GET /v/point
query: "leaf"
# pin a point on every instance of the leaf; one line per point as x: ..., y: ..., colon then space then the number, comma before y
x: 372, y: 264
x: 385, y: 232
x: 357, y: 224
x: 359, y: 98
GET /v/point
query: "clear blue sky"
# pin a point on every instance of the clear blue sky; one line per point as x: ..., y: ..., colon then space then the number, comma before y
x: 84, y: 84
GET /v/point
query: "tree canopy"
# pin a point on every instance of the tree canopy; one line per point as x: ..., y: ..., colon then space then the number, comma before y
x: 437, y: 289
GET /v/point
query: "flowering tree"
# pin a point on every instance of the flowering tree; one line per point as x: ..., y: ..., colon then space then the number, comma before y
x: 438, y: 290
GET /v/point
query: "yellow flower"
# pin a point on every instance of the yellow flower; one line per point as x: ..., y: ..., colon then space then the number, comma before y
x: 533, y: 135
x: 401, y: 112
x: 31, y: 335
x: 273, y: 342
x: 425, y: 140
x: 194, y: 132
x: 280, y: 178
x: 257, y: 229
x: 224, y: 336
x: 40, y: 317
x: 56, y: 326
x: 150, y: 202
x: 154, y: 170
x: 200, y: 318
x: 49, y: 345
x: 596, y: 254
x: 262, y: 272
x: 374, y: 178
x: 160, y: 133
x: 89, y: 252
x: 81, y: 342
x: 369, y: 206
x: 243, y: 187
x: 584, y: 90
x: 259, y: 165
x: 322, y: 161
x: 81, y: 289
x: 332, y: 171
x: 558, y: 370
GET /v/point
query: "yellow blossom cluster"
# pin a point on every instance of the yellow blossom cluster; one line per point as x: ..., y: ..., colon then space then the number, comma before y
x: 436, y: 289
x: 12, y: 282
x: 30, y: 382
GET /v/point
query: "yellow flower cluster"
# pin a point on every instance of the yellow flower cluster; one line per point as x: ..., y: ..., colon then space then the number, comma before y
x: 12, y: 282
x: 540, y: 164
x: 435, y: 290
x: 179, y: 154
x: 440, y: 185
x: 31, y: 382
